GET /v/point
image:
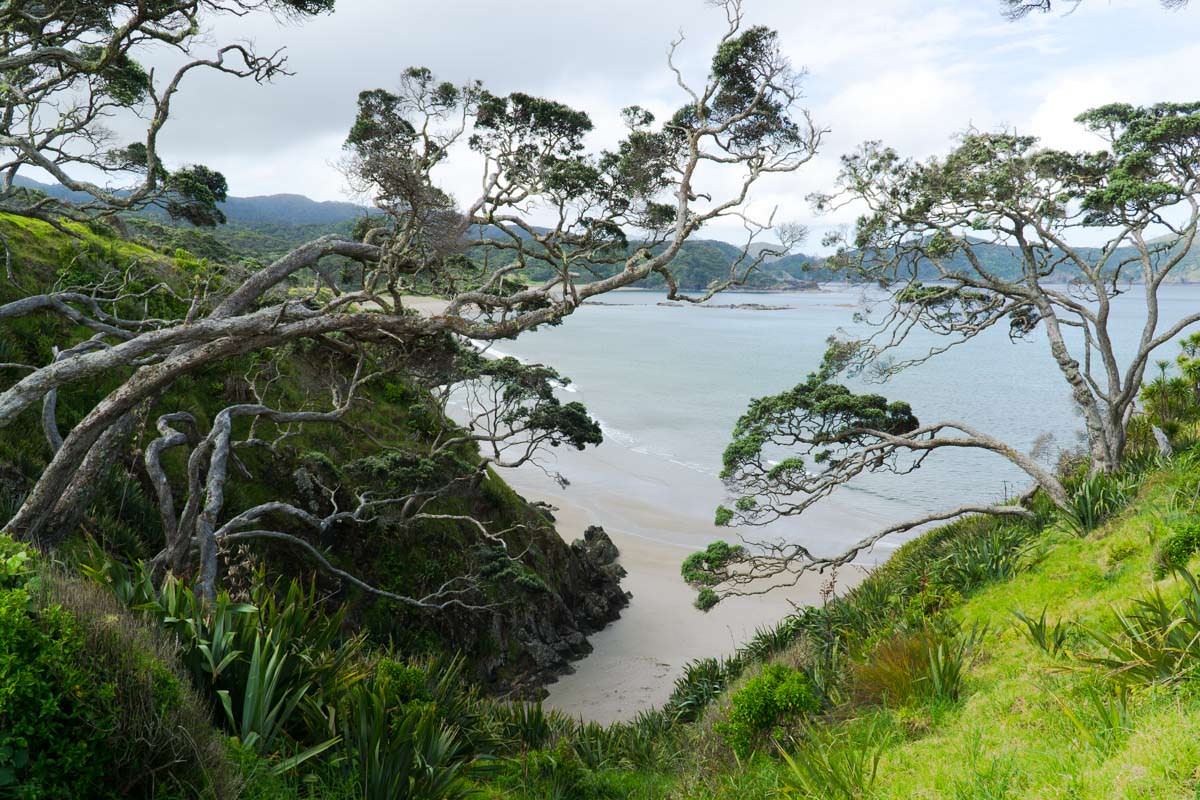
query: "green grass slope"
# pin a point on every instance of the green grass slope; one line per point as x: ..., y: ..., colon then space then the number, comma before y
x: 1076, y: 724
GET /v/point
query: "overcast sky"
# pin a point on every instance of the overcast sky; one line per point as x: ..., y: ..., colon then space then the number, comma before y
x: 908, y: 72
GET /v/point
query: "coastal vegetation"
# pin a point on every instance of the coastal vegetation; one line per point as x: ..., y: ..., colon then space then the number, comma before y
x: 990, y: 668
x: 257, y: 542
x: 794, y: 449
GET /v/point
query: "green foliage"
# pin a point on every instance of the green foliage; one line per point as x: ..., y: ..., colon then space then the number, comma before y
x: 704, y: 568
x: 525, y: 724
x: 1096, y: 499
x: 996, y: 555
x: 401, y: 683
x: 706, y: 599
x: 17, y: 565
x: 1154, y: 641
x: 1176, y: 550
x: 268, y: 700
x: 777, y: 696
x: 828, y: 764
x: 985, y: 778
x: 277, y: 667
x: 1050, y: 638
x: 52, y: 741
x: 1101, y: 716
x: 827, y: 415
x: 527, y: 392
x: 404, y: 752
x: 89, y: 703
x: 921, y: 666
x: 700, y: 684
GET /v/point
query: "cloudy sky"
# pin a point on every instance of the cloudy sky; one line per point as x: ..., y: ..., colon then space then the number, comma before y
x: 908, y: 72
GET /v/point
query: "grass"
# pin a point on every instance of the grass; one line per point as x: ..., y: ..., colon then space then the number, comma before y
x: 1027, y: 723
x: 1011, y: 709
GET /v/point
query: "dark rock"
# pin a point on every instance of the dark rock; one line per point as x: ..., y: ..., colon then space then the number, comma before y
x: 541, y: 639
x: 596, y: 547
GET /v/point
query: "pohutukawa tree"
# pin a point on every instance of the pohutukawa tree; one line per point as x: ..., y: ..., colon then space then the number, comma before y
x: 68, y: 66
x: 544, y: 198
x: 985, y: 237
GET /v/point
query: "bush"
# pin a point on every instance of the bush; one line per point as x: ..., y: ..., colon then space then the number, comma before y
x: 51, y: 744
x: 997, y: 555
x: 1096, y: 499
x: 1154, y: 641
x: 407, y: 754
x: 831, y: 765
x: 776, y: 696
x: 1175, y: 551
x: 278, y: 666
x: 89, y: 704
x: 926, y: 665
x: 401, y: 682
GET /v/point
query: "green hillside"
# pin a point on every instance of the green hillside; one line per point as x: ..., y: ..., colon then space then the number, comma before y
x: 1107, y: 715
x: 550, y: 595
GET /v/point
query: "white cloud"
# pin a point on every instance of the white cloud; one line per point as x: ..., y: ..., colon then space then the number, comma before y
x: 909, y: 72
x: 1155, y: 77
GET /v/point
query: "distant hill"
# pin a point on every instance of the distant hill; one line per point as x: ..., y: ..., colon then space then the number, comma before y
x: 264, y: 227
x: 272, y: 209
x: 1000, y: 260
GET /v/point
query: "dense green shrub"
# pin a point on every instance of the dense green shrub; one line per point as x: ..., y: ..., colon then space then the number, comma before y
x: 278, y: 668
x: 1176, y: 550
x: 1096, y: 498
x: 830, y: 764
x: 1154, y: 641
x: 402, y: 682
x: 702, y: 568
x: 404, y: 753
x: 90, y: 705
x: 994, y: 556
x: 700, y: 684
x: 53, y: 743
x: 777, y: 696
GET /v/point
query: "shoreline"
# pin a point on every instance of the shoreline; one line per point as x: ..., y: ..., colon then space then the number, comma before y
x: 657, y: 511
x: 636, y: 659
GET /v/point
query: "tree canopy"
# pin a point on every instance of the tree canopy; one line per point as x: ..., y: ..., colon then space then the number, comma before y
x: 70, y: 65
x: 922, y: 239
x: 359, y: 325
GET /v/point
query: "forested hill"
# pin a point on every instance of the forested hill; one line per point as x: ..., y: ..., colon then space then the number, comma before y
x: 266, y: 209
x: 999, y: 260
x: 264, y: 227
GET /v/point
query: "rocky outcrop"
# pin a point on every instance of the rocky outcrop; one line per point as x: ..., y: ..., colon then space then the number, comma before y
x: 538, y: 639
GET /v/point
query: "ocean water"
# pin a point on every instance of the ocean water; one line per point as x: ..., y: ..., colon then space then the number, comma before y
x: 668, y: 384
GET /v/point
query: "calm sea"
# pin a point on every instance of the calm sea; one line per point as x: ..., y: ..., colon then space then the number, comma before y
x: 668, y: 383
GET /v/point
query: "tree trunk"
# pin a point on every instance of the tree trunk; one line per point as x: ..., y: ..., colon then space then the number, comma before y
x: 104, y: 456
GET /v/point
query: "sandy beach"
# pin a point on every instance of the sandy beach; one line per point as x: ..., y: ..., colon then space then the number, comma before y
x: 636, y: 659
x: 657, y: 511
